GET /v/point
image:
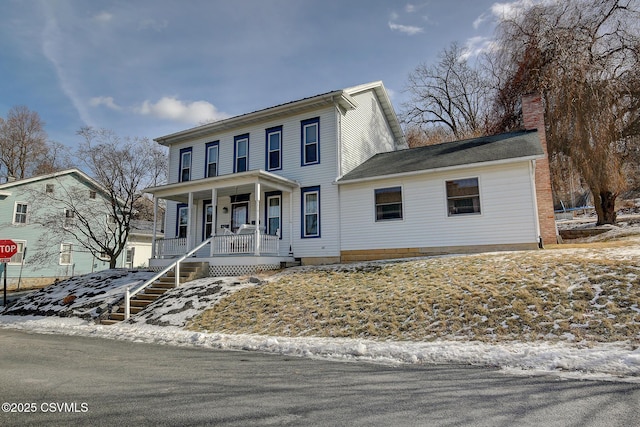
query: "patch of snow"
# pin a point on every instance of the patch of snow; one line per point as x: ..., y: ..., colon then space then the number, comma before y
x: 609, y: 361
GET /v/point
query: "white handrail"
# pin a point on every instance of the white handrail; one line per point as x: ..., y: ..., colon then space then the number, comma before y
x: 129, y: 293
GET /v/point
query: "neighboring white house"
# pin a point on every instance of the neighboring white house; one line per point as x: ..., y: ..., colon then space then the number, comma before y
x: 328, y: 178
x: 138, y: 250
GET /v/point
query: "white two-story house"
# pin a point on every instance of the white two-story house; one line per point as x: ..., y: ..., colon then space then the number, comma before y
x: 296, y: 182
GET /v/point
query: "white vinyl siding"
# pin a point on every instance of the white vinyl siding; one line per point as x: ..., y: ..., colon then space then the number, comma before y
x: 323, y: 174
x: 508, y: 213
x: 365, y: 132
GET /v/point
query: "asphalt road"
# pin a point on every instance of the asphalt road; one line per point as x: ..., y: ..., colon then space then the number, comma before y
x: 63, y: 380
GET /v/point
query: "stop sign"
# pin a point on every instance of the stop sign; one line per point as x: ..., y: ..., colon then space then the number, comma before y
x: 8, y: 248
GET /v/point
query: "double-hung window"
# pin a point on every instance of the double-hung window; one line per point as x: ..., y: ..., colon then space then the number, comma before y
x: 65, y: 254
x: 241, y: 151
x: 463, y: 196
x: 274, y: 213
x: 274, y: 148
x: 212, y: 159
x: 310, y: 212
x: 183, y: 221
x: 310, y: 141
x: 388, y: 203
x: 20, y: 213
x: 185, y: 164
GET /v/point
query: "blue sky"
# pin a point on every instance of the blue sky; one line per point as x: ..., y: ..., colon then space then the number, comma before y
x: 146, y: 68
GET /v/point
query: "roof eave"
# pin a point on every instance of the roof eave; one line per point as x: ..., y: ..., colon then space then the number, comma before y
x: 331, y: 98
x: 441, y: 169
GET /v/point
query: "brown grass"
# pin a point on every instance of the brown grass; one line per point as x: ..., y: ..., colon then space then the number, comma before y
x: 508, y: 296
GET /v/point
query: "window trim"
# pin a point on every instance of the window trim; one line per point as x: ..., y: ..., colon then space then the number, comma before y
x: 183, y: 151
x: 179, y: 207
x: 20, y: 252
x: 375, y: 203
x: 207, y: 160
x: 237, y: 139
x: 268, y: 195
x: 15, y: 213
x: 62, y: 253
x: 447, y: 198
x: 303, y: 218
x: 276, y: 130
x: 303, y: 145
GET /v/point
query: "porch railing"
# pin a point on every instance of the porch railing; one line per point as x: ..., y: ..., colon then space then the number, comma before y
x: 129, y: 293
x: 232, y: 244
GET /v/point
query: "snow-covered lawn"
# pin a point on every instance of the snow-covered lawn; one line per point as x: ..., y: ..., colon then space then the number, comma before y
x: 488, y: 339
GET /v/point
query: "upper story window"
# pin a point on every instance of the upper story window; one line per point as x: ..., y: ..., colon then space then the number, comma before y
x: 49, y: 188
x: 274, y: 148
x: 241, y: 153
x: 20, y: 213
x: 92, y: 194
x: 69, y: 218
x: 310, y: 141
x: 185, y: 164
x: 463, y: 196
x: 310, y: 212
x: 212, y: 149
x: 388, y: 203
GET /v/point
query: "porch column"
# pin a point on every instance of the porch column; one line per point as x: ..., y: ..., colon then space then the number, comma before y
x: 189, y: 221
x: 291, y: 223
x: 214, y: 219
x: 257, y: 230
x: 155, y: 221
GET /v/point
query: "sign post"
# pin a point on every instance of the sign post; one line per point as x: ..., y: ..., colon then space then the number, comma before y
x: 8, y: 248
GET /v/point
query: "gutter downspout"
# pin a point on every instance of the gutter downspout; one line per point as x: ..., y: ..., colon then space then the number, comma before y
x: 532, y: 175
x: 339, y: 173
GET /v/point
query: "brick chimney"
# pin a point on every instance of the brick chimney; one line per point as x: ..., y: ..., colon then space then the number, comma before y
x: 533, y: 118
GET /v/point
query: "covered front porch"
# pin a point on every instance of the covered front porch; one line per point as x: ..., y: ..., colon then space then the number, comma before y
x: 248, y: 215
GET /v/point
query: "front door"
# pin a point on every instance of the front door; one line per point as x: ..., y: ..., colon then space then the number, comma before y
x: 239, y: 215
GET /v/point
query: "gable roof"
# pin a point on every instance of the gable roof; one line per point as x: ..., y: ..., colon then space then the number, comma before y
x: 507, y: 147
x: 341, y: 97
x: 81, y: 175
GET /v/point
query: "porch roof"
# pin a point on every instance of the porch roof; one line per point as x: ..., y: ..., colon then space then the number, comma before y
x: 226, y: 185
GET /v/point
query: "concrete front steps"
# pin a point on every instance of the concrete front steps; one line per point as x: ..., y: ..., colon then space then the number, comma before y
x: 188, y: 271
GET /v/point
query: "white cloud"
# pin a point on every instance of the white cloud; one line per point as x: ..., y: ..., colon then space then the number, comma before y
x: 479, y: 20
x: 410, y: 8
x: 107, y: 101
x: 477, y: 45
x: 182, y: 111
x: 407, y: 29
x: 103, y: 17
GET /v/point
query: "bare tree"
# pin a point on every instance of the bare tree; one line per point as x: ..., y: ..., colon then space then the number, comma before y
x: 450, y: 94
x: 583, y: 56
x: 22, y: 142
x: 122, y: 168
